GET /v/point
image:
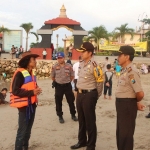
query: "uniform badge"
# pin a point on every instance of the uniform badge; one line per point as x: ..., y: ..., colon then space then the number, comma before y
x: 131, y: 77
x: 129, y: 69
x: 89, y: 66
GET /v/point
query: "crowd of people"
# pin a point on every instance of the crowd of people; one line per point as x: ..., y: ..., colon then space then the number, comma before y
x: 89, y: 81
x: 16, y: 51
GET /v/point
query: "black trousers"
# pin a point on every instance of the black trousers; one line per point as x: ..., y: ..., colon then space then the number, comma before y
x: 109, y: 89
x: 126, y: 116
x: 87, y: 118
x: 75, y: 85
x: 60, y: 91
x: 24, y: 128
x: 44, y: 56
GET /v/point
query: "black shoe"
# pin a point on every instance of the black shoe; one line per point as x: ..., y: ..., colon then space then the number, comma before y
x: 148, y: 116
x: 74, y: 118
x: 61, y: 120
x: 78, y: 145
x: 25, y: 147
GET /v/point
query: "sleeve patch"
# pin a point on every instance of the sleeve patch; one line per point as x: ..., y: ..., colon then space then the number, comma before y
x: 131, y: 77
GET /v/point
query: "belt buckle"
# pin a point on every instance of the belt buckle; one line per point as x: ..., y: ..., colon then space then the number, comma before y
x: 80, y: 91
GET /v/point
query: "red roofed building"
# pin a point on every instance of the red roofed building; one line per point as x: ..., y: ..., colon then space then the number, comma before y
x: 65, y: 21
x: 62, y: 19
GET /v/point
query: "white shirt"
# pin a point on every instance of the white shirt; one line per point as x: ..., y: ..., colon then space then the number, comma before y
x: 109, y: 74
x: 105, y: 66
x: 44, y: 53
x: 75, y: 69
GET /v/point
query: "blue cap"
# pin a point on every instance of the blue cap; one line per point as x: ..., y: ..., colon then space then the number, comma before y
x: 60, y: 54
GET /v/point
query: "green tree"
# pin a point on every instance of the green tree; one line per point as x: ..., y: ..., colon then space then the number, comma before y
x: 2, y: 30
x: 97, y: 33
x: 146, y: 21
x: 60, y: 49
x: 33, y: 44
x: 112, y: 36
x: 122, y: 30
x: 27, y: 27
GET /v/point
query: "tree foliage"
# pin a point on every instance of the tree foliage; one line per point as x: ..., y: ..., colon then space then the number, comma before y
x: 122, y: 30
x: 98, y: 33
x: 2, y: 29
x: 27, y: 27
x: 146, y: 21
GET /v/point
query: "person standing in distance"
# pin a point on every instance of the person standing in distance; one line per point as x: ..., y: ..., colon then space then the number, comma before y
x: 44, y: 53
x: 23, y: 95
x: 62, y: 74
x: 129, y: 94
x: 90, y: 85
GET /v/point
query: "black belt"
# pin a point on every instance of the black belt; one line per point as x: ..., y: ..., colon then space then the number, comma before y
x: 86, y: 91
x: 65, y: 84
x: 125, y: 99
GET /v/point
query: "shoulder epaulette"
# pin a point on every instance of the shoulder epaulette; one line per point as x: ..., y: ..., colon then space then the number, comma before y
x: 129, y: 69
x: 94, y: 63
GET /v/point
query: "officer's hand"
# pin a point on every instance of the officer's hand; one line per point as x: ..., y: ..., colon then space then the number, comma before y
x: 37, y: 91
x: 140, y: 106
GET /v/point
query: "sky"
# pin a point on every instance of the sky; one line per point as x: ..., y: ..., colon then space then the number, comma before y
x: 90, y: 13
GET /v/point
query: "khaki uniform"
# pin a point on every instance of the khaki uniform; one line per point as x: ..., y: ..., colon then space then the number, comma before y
x: 129, y: 83
x: 63, y: 87
x: 88, y: 92
x: 126, y: 106
x: 87, y: 79
x: 63, y: 74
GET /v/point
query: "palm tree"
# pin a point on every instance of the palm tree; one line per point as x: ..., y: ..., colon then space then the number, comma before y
x: 97, y: 33
x: 2, y: 30
x: 146, y: 21
x: 122, y: 30
x: 33, y: 44
x: 112, y: 36
x: 27, y: 27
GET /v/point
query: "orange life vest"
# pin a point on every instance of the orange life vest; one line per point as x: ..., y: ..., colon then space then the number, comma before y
x: 29, y: 84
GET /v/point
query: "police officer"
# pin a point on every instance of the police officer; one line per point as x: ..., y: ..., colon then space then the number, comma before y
x: 129, y: 93
x: 62, y: 74
x: 89, y: 90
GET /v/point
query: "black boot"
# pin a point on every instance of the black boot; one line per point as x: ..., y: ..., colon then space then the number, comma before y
x: 148, y: 116
x: 74, y: 118
x: 25, y: 147
x: 61, y: 119
x: 77, y: 146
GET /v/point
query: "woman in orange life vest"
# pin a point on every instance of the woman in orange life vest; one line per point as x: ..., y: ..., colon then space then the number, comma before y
x: 23, y: 95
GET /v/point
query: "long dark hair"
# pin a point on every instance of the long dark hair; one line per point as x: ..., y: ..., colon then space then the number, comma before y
x: 25, y: 63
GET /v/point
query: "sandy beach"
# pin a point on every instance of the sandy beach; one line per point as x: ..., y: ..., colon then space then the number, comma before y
x: 49, y: 134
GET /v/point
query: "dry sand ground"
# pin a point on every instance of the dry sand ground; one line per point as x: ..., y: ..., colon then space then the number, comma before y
x: 49, y: 134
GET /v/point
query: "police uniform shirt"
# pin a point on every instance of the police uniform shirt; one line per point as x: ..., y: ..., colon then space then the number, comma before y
x: 62, y: 74
x: 129, y: 83
x: 86, y: 80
